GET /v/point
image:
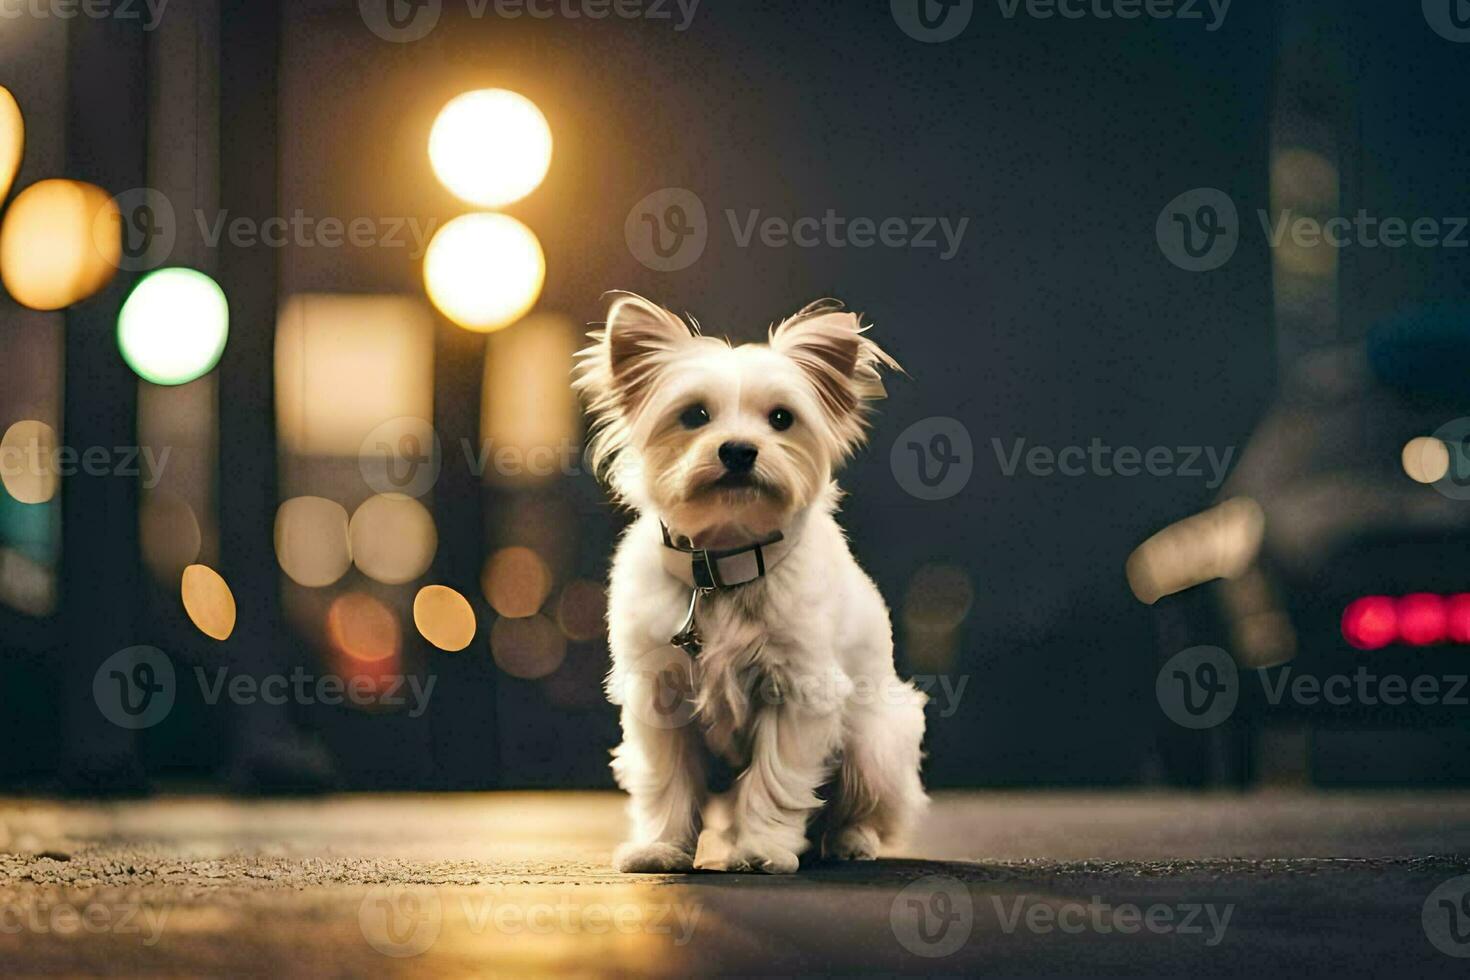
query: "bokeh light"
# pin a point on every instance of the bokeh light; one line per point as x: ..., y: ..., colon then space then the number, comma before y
x: 393, y: 538
x: 312, y: 541
x: 1222, y: 542
x: 351, y: 367
x: 582, y: 610
x: 528, y: 412
x: 174, y: 326
x: 61, y: 243
x: 484, y: 271
x: 1423, y: 619
x: 169, y: 535
x: 12, y: 140
x: 28, y: 462
x: 516, y: 582
x: 527, y: 648
x: 938, y: 599
x: 1426, y: 459
x: 363, y: 630
x: 1457, y: 616
x: 490, y: 147
x: 444, y: 618
x: 26, y: 585
x: 208, y: 601
x: 1370, y: 623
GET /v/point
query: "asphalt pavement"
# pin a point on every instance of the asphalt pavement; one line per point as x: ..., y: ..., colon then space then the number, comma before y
x: 995, y: 885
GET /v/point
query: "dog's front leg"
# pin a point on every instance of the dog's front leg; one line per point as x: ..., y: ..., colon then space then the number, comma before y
x: 795, y: 737
x: 661, y: 764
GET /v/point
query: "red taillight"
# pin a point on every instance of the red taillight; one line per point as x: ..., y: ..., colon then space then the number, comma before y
x: 1457, y: 616
x: 1423, y: 619
x: 1370, y: 623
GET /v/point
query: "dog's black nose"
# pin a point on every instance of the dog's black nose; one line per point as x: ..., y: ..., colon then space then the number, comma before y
x: 738, y: 457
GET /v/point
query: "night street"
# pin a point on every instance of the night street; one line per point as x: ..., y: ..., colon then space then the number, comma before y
x: 516, y: 884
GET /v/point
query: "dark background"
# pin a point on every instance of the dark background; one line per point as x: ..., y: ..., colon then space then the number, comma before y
x: 1059, y: 322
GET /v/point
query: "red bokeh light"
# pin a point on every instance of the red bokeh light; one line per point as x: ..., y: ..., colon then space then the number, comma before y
x: 1423, y: 619
x: 1458, y: 617
x: 1370, y: 623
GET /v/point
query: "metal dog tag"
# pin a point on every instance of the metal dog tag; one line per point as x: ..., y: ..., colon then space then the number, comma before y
x: 688, y: 638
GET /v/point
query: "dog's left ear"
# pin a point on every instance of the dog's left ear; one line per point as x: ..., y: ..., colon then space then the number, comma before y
x: 832, y: 348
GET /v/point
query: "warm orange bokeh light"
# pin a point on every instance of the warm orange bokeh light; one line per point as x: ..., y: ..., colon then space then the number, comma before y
x: 312, y: 543
x: 12, y: 140
x: 393, y: 538
x: 444, y: 618
x: 61, y: 242
x: 363, y: 629
x: 516, y: 582
x: 527, y: 648
x: 582, y: 611
x: 208, y: 601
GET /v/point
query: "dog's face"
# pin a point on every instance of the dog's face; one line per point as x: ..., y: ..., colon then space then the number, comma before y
x: 724, y: 443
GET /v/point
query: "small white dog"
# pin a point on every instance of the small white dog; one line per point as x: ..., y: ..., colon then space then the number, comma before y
x: 742, y: 630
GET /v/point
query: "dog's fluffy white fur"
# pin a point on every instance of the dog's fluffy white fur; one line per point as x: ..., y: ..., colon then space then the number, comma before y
x: 795, y: 686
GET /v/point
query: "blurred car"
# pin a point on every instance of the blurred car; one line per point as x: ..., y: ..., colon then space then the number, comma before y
x: 1335, y: 566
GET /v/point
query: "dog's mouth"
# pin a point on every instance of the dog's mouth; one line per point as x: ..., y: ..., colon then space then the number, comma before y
x: 739, y: 484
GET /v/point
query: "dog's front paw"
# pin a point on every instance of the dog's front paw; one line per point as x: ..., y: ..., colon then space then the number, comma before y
x: 652, y: 859
x: 771, y: 859
x: 854, y: 844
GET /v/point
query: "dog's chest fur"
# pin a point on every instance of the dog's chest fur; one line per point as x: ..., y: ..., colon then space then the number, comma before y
x: 737, y: 671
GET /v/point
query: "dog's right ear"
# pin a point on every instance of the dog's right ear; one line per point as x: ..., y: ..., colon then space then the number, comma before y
x: 639, y: 334
x: 616, y: 371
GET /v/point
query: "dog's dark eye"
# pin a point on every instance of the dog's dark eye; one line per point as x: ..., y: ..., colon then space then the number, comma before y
x: 782, y: 419
x: 694, y: 416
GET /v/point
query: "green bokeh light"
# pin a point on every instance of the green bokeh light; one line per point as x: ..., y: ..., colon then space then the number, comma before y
x: 174, y: 326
